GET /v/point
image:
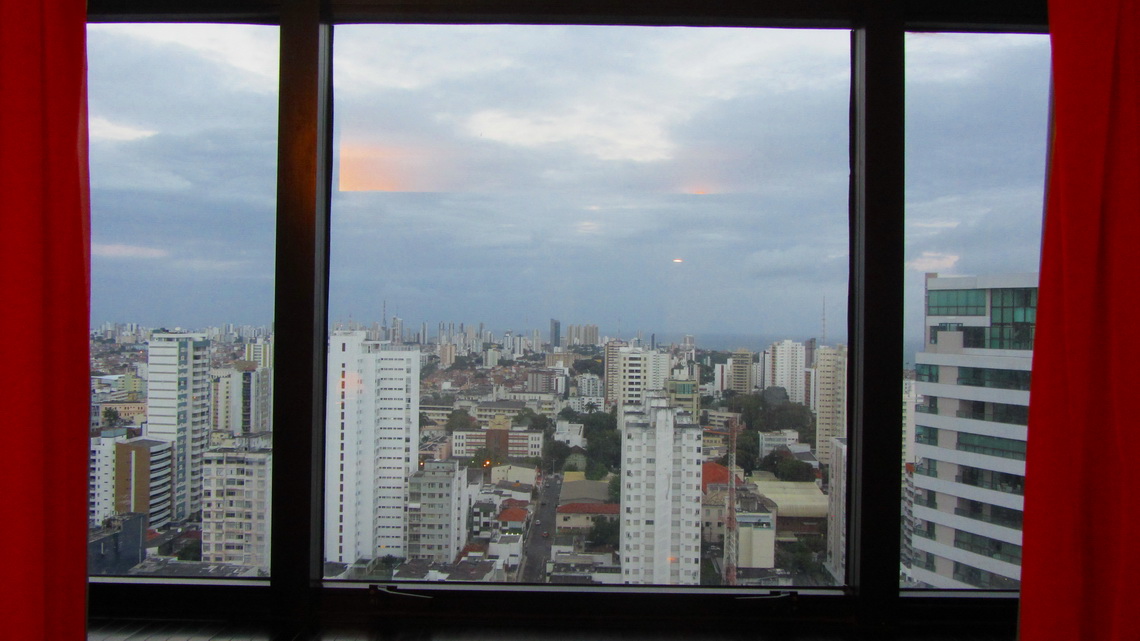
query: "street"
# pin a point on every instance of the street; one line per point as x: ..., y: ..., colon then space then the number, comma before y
x: 536, y: 547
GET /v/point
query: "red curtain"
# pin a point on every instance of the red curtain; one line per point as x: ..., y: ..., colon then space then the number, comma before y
x: 44, y: 247
x: 1082, y: 512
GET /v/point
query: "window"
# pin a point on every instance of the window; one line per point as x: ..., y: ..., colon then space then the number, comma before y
x: 975, y: 175
x: 182, y: 187
x: 877, y: 186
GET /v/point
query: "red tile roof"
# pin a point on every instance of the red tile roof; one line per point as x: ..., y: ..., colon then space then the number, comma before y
x: 508, y: 503
x: 716, y: 474
x: 589, y: 508
x: 512, y: 515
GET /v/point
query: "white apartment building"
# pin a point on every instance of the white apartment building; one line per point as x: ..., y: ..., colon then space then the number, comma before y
x: 660, y: 494
x: 236, y: 498
x: 260, y: 351
x: 970, y: 430
x: 178, y: 410
x: 638, y: 371
x: 769, y: 441
x: 784, y: 367
x: 830, y: 399
x: 590, y: 385
x: 101, y: 476
x: 437, y: 512
x: 372, y: 427
x: 240, y: 399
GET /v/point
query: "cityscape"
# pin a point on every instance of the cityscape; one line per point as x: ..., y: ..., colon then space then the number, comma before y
x: 561, y: 455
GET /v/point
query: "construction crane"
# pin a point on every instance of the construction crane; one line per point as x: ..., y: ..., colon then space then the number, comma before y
x: 730, y: 530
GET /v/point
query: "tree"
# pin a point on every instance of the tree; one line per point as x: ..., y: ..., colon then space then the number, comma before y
x: 555, y: 452
x: 424, y: 420
x: 460, y: 420
x: 591, y: 407
x: 111, y: 417
x: 605, y: 448
x: 605, y: 533
x: 484, y: 457
x: 589, y: 366
x: 615, y: 489
x: 791, y: 469
x: 568, y: 414
x: 596, y: 470
x: 748, y: 451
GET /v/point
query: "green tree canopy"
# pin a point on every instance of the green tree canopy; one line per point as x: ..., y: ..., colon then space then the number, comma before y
x: 589, y: 366
x: 460, y: 420
x: 605, y: 533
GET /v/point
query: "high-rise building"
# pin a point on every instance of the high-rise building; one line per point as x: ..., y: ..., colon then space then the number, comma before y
x: 836, y: 562
x: 240, y: 400
x: 437, y: 514
x: 971, y: 429
x: 260, y: 351
x: 830, y: 399
x: 446, y: 355
x: 660, y: 494
x: 372, y: 425
x: 612, y: 365
x: 178, y: 410
x: 589, y: 385
x: 685, y: 394
x: 740, y: 372
x: 555, y: 334
x: 143, y: 479
x: 785, y: 368
x: 236, y: 515
x: 101, y: 475
x: 639, y: 371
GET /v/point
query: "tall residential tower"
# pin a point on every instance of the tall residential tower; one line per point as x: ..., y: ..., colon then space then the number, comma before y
x: 372, y: 429
x: 970, y: 430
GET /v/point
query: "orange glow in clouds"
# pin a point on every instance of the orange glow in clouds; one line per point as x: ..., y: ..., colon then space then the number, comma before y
x: 389, y: 168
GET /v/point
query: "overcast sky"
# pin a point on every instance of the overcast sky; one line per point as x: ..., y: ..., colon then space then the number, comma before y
x: 508, y: 175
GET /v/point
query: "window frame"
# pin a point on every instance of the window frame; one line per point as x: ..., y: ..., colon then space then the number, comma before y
x: 295, y: 596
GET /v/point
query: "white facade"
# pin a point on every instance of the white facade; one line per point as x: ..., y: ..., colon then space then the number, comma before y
x: 785, y: 368
x: 236, y: 515
x: 970, y: 430
x: 101, y: 475
x: 660, y: 495
x: 779, y: 438
x: 372, y: 427
x: 240, y: 400
x: 569, y: 433
x: 178, y: 410
x: 590, y: 385
x: 639, y: 371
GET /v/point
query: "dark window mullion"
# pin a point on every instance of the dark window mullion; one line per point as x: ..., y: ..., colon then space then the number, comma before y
x: 876, y: 311
x: 304, y: 121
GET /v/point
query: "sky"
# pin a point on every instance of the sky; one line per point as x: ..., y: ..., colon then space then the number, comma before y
x: 668, y: 180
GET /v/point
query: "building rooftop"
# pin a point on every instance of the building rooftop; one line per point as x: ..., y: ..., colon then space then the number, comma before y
x: 589, y: 508
x: 169, y: 567
x: 512, y: 515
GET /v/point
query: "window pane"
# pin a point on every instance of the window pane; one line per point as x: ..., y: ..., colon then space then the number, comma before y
x: 183, y: 183
x: 976, y: 135
x: 564, y: 261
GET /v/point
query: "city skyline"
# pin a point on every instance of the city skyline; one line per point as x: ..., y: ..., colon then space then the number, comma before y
x: 183, y: 235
